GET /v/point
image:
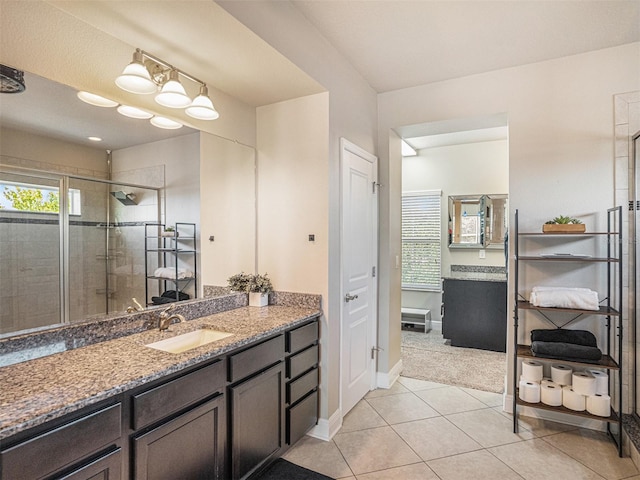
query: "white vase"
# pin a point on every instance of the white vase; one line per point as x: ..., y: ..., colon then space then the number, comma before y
x: 258, y: 299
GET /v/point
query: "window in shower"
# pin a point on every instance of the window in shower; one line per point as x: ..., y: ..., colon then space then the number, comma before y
x: 29, y: 197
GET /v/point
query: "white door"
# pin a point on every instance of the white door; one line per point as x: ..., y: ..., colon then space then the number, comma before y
x: 359, y: 258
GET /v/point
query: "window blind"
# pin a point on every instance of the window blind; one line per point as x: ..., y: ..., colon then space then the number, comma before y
x: 421, y: 238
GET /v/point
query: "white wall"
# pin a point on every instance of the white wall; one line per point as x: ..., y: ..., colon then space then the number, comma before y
x: 560, y: 116
x: 352, y: 114
x: 227, y: 209
x: 466, y: 169
x: 293, y: 202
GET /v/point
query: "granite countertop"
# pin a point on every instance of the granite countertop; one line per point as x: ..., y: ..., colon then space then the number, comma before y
x: 39, y: 390
x: 477, y: 276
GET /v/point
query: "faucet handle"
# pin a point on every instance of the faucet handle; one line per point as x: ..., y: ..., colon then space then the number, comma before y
x: 168, y: 309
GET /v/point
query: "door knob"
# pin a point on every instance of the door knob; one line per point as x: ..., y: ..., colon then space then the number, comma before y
x: 348, y: 298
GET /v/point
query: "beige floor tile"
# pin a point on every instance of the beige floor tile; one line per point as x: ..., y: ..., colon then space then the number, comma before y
x: 537, y: 426
x: 374, y: 449
x: 346, y: 478
x: 415, y: 385
x: 596, y: 451
x: 417, y: 471
x: 404, y: 407
x: 479, y: 465
x: 450, y: 400
x: 488, y: 428
x: 490, y: 399
x: 435, y: 438
x: 319, y: 456
x: 360, y: 417
x: 537, y: 460
x: 397, y: 387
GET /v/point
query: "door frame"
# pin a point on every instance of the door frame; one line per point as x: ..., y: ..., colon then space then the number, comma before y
x: 347, y: 146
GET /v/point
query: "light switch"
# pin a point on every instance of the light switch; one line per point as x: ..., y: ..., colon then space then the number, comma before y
x: 482, y: 253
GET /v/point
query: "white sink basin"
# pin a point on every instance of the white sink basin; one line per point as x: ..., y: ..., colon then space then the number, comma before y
x: 187, y: 341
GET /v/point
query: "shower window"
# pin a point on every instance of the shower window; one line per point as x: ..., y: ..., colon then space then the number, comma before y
x: 28, y: 197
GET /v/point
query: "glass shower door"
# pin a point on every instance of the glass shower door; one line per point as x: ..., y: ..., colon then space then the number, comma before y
x: 30, y: 260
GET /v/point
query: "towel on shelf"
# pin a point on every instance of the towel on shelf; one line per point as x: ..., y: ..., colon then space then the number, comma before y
x: 170, y: 273
x: 564, y: 297
x: 566, y: 351
x: 559, y: 335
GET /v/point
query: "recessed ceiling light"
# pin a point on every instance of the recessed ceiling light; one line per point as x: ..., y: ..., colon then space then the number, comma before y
x: 95, y: 139
x: 96, y: 100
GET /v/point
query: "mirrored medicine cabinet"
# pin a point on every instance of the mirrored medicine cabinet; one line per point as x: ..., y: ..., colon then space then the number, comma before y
x: 478, y: 221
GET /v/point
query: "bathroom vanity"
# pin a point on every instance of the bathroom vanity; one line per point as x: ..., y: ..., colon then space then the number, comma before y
x: 120, y: 409
x: 475, y: 312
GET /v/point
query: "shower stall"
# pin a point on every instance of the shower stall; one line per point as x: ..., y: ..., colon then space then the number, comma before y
x: 71, y: 247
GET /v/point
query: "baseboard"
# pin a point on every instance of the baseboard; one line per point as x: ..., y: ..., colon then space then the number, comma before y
x: 386, y: 380
x: 574, y: 420
x: 327, y: 428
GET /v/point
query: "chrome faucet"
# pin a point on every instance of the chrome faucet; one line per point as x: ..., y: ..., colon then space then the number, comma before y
x: 165, y: 319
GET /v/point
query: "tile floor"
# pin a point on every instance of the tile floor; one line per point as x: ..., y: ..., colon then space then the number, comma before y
x: 426, y: 430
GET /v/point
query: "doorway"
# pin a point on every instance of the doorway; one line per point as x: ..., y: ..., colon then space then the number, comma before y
x: 468, y: 157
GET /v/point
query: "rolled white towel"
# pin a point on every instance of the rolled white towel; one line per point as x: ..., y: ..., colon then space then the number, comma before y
x: 170, y: 273
x: 564, y: 297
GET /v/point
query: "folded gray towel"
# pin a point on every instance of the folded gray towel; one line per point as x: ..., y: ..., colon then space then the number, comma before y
x: 566, y: 351
x: 576, y: 337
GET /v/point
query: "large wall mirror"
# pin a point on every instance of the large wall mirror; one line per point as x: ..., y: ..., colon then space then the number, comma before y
x: 45, y: 126
x: 477, y: 221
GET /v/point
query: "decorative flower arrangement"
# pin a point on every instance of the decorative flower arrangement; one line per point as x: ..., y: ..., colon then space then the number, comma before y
x: 250, y: 283
x: 563, y: 220
x: 563, y: 224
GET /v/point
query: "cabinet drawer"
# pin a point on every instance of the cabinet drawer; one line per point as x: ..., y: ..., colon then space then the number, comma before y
x: 302, y: 417
x: 301, y: 362
x: 254, y: 359
x: 63, y: 446
x: 302, y: 337
x: 173, y: 396
x: 107, y: 467
x: 303, y: 385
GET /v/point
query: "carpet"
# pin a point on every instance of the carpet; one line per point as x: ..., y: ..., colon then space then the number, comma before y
x: 428, y: 357
x: 283, y: 470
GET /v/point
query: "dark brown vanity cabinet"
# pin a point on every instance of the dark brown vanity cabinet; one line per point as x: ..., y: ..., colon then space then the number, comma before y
x: 180, y: 427
x: 82, y: 446
x: 302, y: 380
x: 256, y: 401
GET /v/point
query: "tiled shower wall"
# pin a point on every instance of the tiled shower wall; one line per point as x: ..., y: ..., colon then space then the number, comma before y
x: 627, y: 122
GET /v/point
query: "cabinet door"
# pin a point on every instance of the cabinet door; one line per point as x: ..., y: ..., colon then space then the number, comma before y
x: 107, y: 467
x: 257, y: 407
x: 190, y: 446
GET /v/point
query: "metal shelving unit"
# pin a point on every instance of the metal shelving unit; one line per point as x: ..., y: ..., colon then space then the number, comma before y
x: 162, y: 249
x: 611, y: 312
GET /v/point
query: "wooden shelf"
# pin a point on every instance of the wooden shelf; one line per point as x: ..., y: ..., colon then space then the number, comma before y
x: 524, y: 351
x: 603, y: 310
x: 554, y: 234
x: 613, y: 417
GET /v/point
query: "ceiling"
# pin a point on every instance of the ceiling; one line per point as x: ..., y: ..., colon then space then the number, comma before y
x: 397, y: 44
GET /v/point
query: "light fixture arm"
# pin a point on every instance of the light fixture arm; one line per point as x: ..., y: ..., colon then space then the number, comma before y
x: 168, y: 67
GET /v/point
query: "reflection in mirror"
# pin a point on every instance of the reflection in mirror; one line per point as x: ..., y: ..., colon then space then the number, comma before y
x: 93, y: 265
x: 497, y: 218
x: 466, y: 221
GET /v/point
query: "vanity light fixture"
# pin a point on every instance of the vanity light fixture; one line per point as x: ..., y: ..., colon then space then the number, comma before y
x: 96, y: 100
x: 133, y: 112
x: 147, y: 74
x: 164, y: 122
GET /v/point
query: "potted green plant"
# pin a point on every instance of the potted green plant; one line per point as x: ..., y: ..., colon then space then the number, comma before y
x: 564, y: 224
x: 169, y: 231
x: 256, y: 285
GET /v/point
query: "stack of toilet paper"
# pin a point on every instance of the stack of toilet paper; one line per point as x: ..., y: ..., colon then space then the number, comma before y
x: 576, y: 390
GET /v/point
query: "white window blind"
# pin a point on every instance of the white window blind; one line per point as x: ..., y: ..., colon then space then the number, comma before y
x: 421, y: 238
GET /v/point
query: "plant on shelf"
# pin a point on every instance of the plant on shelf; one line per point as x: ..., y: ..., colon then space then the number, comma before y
x: 563, y: 224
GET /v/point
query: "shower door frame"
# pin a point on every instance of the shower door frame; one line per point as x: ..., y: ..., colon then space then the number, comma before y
x: 63, y: 218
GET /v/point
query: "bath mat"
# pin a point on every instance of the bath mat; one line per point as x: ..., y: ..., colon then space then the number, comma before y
x: 282, y: 469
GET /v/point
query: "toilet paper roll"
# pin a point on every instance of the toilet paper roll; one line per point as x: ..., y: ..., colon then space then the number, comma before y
x: 548, y: 381
x: 599, y: 405
x: 532, y: 371
x: 561, y: 374
x: 572, y: 400
x: 551, y: 394
x: 529, y: 392
x: 602, y: 382
x: 583, y: 383
x: 522, y: 379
